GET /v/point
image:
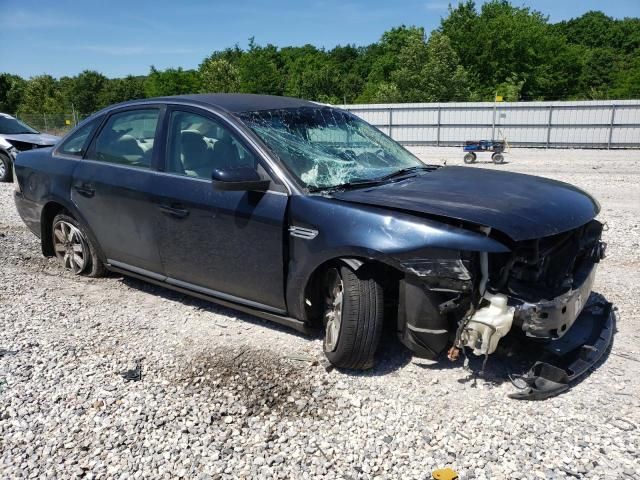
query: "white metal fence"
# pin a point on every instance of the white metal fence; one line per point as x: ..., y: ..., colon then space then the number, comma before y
x: 588, y: 124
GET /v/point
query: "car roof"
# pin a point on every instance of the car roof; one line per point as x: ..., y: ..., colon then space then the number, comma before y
x: 241, y: 102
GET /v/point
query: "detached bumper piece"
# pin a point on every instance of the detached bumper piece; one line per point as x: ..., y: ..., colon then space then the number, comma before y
x: 571, y: 356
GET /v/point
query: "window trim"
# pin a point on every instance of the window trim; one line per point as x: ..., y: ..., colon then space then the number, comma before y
x: 153, y: 163
x: 277, y: 185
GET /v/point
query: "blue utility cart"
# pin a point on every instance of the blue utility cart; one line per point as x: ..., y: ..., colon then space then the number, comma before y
x: 471, y: 147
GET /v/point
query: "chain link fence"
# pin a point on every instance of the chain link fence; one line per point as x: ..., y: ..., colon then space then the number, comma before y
x: 52, y: 123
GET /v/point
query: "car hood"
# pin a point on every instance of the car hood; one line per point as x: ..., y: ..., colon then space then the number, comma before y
x: 521, y: 206
x: 42, y: 139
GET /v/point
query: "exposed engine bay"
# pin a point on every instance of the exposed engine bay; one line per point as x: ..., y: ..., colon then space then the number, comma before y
x: 536, y: 292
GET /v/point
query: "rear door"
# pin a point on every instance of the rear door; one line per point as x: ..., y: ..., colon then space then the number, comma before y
x: 112, y: 188
x: 224, y: 243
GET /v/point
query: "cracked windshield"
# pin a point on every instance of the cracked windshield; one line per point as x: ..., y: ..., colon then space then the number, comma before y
x: 326, y: 148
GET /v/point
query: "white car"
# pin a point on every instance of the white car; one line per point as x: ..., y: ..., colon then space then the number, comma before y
x: 16, y: 136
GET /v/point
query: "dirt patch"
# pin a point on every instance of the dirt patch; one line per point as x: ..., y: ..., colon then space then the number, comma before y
x: 260, y: 381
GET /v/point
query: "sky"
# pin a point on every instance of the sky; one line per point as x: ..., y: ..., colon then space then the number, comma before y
x: 116, y: 38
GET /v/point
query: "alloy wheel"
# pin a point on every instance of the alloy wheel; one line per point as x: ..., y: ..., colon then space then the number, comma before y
x: 70, y: 246
x: 333, y: 309
x: 3, y: 169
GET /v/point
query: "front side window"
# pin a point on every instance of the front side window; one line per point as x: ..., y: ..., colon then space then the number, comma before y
x: 127, y: 138
x: 76, y: 143
x: 198, y: 145
x: 324, y: 147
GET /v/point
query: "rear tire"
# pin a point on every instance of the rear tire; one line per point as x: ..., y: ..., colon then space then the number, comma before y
x: 497, y: 158
x: 6, y: 175
x: 470, y: 158
x: 353, y: 317
x: 73, y: 248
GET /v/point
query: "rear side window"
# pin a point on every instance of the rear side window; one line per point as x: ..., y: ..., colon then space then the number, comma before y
x: 78, y: 141
x: 127, y: 138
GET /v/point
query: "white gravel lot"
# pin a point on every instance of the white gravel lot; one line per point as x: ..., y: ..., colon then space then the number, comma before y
x: 221, y: 397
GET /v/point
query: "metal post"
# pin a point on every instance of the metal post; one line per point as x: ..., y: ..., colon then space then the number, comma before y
x: 390, y: 121
x: 493, y: 124
x: 613, y: 119
x: 44, y: 115
x: 549, y: 125
x: 438, y: 136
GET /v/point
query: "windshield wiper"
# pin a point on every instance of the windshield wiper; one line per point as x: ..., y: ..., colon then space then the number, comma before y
x: 404, y: 171
x: 345, y: 186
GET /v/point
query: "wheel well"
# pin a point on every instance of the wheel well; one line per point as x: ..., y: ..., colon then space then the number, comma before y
x: 49, y: 212
x: 388, y: 277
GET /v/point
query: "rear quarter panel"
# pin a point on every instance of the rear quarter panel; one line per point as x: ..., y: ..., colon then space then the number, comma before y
x: 42, y: 178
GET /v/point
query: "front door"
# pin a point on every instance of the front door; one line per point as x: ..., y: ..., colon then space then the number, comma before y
x: 223, y: 243
x: 112, y: 188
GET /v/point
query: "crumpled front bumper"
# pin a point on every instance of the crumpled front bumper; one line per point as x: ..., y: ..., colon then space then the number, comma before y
x: 552, y: 319
x: 569, y: 358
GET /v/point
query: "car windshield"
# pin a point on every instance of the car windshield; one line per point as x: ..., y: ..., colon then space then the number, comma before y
x: 13, y: 126
x: 325, y: 147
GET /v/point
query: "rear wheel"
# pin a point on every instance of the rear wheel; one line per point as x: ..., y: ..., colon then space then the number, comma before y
x: 5, y: 168
x: 497, y: 158
x: 470, y: 157
x: 353, y: 317
x: 73, y: 249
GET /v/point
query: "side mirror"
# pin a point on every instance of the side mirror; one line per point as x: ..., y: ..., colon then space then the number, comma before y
x: 238, y: 179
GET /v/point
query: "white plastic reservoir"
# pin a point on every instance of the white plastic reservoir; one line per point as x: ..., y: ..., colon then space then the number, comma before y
x: 488, y: 325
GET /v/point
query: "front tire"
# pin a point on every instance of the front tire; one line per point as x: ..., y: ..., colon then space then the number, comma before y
x: 73, y: 248
x: 6, y: 174
x: 353, y: 317
x: 497, y: 158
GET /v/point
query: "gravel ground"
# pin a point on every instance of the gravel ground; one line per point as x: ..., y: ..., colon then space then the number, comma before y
x: 226, y: 395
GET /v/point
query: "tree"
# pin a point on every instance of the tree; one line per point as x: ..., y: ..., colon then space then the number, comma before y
x: 83, y: 91
x: 11, y: 92
x: 41, y: 95
x: 218, y: 75
x: 122, y: 89
x: 444, y: 78
x: 260, y: 70
x: 502, y: 41
x: 172, y: 81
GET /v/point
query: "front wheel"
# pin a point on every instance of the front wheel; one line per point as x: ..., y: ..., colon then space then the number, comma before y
x: 73, y: 249
x: 497, y: 158
x: 5, y: 168
x: 353, y: 317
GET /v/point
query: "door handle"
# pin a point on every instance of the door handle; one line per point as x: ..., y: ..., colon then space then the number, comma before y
x: 85, y: 189
x: 177, y: 211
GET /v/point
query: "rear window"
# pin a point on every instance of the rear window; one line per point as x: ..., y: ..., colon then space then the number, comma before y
x: 77, y: 143
x: 127, y: 138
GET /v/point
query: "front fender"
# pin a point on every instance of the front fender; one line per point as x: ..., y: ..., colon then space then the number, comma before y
x: 334, y: 229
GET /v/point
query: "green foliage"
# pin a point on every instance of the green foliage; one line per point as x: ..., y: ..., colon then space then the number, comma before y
x: 122, y: 89
x: 260, y: 70
x: 475, y: 53
x: 218, y: 75
x: 41, y: 95
x: 11, y: 92
x: 172, y: 81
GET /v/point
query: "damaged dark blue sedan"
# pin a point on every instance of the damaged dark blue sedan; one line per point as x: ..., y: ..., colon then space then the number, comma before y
x: 308, y: 216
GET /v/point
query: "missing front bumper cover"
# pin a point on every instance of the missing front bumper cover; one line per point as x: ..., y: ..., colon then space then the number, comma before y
x: 571, y: 357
